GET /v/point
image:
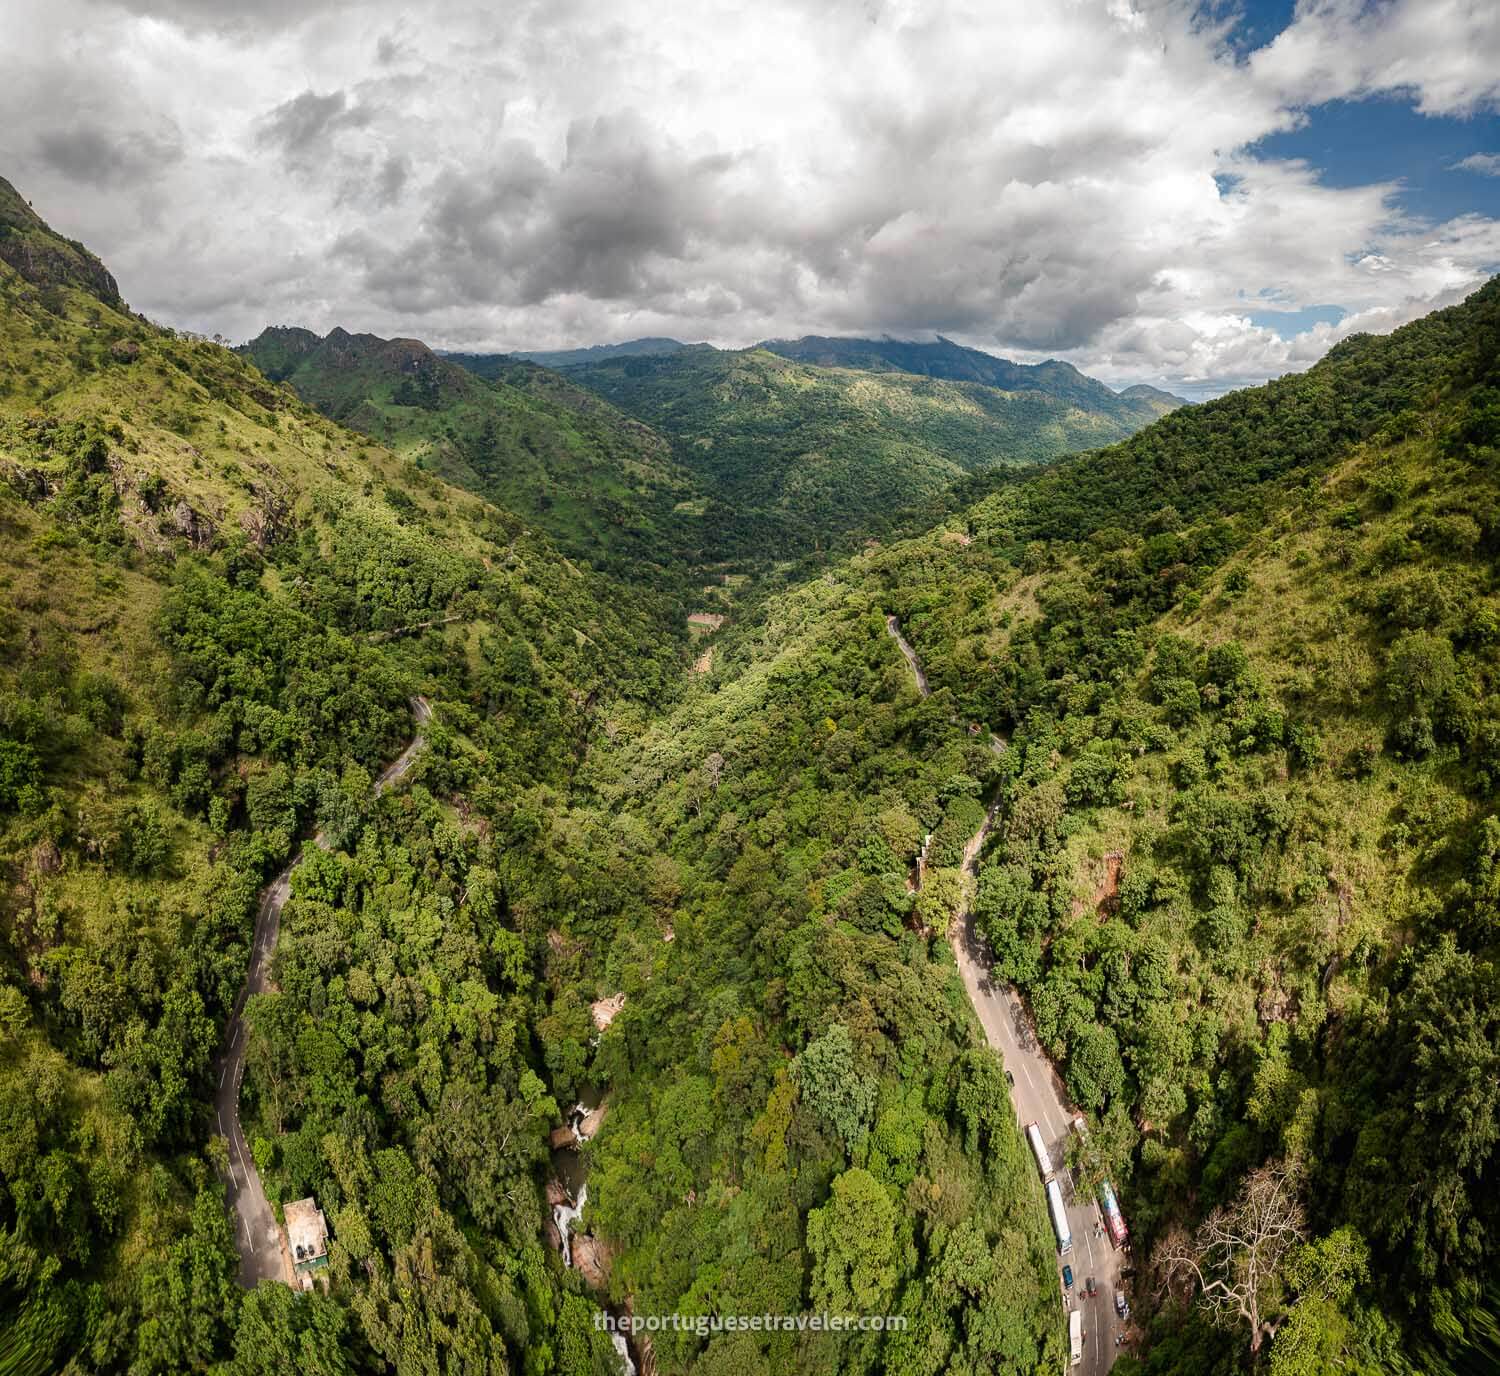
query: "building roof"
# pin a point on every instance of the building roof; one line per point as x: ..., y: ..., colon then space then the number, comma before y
x: 306, y: 1230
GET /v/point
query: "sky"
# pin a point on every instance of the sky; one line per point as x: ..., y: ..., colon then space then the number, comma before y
x: 1198, y: 194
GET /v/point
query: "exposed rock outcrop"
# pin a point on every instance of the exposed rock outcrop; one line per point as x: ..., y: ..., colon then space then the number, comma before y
x: 605, y: 1011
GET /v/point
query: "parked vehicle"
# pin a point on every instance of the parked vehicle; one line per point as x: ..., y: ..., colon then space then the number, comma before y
x: 1121, y: 1307
x: 1113, y: 1219
x: 1067, y: 1277
x: 1059, y: 1218
x: 1089, y: 1288
x: 1075, y: 1337
x: 1039, y: 1150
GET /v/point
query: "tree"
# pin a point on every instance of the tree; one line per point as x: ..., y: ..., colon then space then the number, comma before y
x: 280, y: 1330
x: 1095, y: 1073
x: 833, y: 1086
x: 1236, y: 1260
x: 1316, y: 1335
x: 853, y: 1242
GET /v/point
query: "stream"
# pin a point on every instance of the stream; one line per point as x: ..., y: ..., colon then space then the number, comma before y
x: 570, y: 1181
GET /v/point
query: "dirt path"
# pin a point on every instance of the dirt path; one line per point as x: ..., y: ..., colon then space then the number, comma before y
x: 257, y: 1236
x: 1036, y: 1089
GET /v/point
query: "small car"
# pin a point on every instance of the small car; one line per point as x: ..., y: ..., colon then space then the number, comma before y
x: 1089, y: 1288
x: 1067, y: 1277
x: 1121, y: 1308
x: 1010, y: 1079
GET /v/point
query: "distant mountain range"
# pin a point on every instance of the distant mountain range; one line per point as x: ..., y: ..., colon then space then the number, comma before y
x: 670, y: 454
x: 824, y: 451
x: 940, y: 358
x: 945, y: 359
x: 594, y: 353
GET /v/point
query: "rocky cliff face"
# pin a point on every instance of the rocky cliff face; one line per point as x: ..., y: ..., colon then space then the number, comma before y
x: 47, y: 259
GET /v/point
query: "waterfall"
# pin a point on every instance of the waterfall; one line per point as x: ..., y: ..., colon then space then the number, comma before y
x: 563, y: 1216
x: 623, y: 1349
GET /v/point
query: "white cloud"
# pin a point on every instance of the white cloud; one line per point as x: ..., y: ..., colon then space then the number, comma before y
x: 1485, y: 164
x: 1445, y: 52
x: 1032, y: 179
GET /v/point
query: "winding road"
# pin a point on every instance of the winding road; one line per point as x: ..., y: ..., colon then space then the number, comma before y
x: 1036, y: 1091
x: 893, y: 625
x: 257, y: 1235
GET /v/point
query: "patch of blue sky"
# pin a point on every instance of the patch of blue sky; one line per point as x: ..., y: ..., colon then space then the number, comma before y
x: 1257, y: 22
x: 1290, y: 323
x: 1380, y: 139
x: 1357, y: 142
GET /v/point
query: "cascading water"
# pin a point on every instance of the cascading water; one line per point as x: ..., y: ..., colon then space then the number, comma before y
x: 563, y: 1216
x: 572, y: 1191
x: 622, y: 1348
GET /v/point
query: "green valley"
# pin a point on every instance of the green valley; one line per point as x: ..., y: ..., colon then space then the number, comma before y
x: 1171, y: 734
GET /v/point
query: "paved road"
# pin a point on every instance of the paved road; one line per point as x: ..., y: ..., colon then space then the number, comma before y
x: 893, y: 625
x: 1036, y: 1091
x: 257, y: 1236
x: 1039, y: 1098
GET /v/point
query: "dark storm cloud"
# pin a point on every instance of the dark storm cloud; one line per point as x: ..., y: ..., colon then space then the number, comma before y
x: 98, y: 156
x: 604, y: 223
x: 303, y: 126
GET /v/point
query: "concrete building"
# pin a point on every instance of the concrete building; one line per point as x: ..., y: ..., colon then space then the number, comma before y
x: 307, y: 1237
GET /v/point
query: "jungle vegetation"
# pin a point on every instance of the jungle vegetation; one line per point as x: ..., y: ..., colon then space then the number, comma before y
x: 1244, y: 866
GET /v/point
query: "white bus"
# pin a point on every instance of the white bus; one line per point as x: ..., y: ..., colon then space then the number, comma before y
x: 1039, y: 1150
x: 1059, y: 1218
x: 1075, y: 1336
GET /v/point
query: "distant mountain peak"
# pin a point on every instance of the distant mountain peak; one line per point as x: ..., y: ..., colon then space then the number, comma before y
x: 279, y: 350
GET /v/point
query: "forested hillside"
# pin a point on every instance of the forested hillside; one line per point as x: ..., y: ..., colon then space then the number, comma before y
x: 803, y: 457
x: 603, y: 486
x: 803, y: 1113
x: 1245, y: 872
x: 216, y: 607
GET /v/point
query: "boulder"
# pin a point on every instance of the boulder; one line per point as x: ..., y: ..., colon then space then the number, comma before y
x: 591, y: 1257
x: 591, y: 1123
x: 605, y: 1011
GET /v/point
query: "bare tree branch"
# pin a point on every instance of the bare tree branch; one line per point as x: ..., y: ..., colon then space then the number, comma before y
x: 1234, y: 1262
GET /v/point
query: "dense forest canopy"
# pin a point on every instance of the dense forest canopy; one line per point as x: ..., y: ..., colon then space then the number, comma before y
x: 1206, y: 744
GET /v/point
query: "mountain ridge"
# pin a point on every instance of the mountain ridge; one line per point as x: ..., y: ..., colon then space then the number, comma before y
x: 944, y: 358
x: 45, y: 258
x: 603, y: 484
